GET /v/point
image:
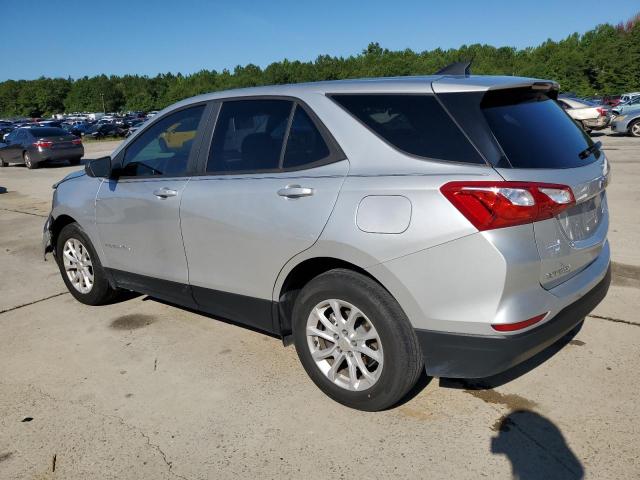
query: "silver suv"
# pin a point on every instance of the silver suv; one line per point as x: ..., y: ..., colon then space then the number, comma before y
x: 451, y: 223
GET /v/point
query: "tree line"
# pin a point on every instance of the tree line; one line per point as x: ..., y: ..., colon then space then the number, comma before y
x: 602, y: 61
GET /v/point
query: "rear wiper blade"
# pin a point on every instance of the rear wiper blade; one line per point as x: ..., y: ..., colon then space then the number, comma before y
x: 589, y: 150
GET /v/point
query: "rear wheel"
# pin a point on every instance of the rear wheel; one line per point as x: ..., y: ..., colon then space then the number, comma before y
x: 28, y: 161
x: 80, y: 267
x: 75, y: 161
x: 634, y: 128
x: 354, y: 341
x: 3, y: 163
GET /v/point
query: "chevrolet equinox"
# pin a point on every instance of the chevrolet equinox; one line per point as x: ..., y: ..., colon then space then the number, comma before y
x: 450, y: 223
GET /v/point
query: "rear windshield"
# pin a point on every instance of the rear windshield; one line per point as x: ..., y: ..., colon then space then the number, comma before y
x: 534, y: 131
x: 415, y: 124
x: 47, y: 132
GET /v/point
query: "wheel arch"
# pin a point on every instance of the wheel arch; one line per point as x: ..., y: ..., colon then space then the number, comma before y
x: 58, y: 224
x: 298, y: 277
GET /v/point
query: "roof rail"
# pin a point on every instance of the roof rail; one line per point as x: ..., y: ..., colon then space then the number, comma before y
x: 457, y: 68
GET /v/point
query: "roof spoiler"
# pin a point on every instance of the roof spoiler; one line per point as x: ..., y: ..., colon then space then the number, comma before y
x: 457, y: 68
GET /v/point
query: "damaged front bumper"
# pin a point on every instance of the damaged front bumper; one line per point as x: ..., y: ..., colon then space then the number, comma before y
x: 47, y: 246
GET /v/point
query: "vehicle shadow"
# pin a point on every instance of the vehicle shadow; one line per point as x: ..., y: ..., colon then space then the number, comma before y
x: 535, y: 447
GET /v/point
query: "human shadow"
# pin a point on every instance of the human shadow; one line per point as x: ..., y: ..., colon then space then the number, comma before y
x: 535, y: 447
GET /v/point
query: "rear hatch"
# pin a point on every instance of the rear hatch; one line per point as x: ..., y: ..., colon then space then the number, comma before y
x: 54, y: 138
x: 527, y: 137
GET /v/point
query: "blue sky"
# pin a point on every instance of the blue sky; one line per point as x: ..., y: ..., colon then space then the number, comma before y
x: 88, y: 37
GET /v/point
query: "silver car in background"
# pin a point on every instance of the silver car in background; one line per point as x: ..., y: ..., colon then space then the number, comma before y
x: 452, y: 223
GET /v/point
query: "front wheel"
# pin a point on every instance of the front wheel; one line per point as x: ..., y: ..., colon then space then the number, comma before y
x: 80, y: 267
x: 634, y: 129
x: 354, y: 340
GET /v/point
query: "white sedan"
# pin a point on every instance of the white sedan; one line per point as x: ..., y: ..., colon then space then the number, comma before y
x: 588, y: 114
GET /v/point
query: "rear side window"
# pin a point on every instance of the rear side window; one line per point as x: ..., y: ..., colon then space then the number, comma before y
x: 305, y: 144
x: 534, y: 131
x: 415, y: 124
x: 249, y: 135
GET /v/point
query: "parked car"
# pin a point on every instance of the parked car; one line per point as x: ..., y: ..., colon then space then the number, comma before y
x: 35, y: 145
x: 588, y: 114
x: 627, y: 119
x: 101, y: 130
x: 385, y: 226
x: 624, y: 98
x: 611, y: 100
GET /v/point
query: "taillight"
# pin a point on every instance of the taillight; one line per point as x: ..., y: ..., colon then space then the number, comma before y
x: 489, y: 205
x: 43, y: 144
x: 510, y: 327
x: 602, y: 111
x: 77, y: 141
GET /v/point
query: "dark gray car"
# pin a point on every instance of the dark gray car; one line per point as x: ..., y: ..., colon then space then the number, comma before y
x: 35, y: 145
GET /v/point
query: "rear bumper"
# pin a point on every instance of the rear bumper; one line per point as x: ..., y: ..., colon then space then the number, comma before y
x: 598, y: 123
x: 44, y: 155
x: 458, y: 355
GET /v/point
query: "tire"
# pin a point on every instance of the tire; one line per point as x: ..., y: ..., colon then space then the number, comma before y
x: 100, y: 291
x: 30, y: 164
x: 380, y: 316
x: 634, y: 128
x: 3, y: 163
x: 75, y: 161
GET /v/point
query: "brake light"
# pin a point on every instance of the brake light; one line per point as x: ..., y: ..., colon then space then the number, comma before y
x: 490, y: 205
x: 510, y: 327
x: 77, y: 141
x: 43, y: 144
x: 602, y: 111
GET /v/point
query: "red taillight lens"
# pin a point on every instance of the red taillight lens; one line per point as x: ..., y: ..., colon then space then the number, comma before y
x: 602, y: 111
x: 489, y: 205
x: 43, y: 144
x: 77, y: 141
x: 510, y: 327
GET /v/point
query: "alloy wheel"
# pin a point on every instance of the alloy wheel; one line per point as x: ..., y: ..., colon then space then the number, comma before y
x: 78, y: 265
x: 635, y: 129
x: 344, y: 345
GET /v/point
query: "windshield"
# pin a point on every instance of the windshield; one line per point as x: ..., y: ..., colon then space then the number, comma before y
x: 534, y: 131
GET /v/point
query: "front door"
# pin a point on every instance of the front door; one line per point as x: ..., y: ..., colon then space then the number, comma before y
x: 137, y: 214
x: 271, y: 182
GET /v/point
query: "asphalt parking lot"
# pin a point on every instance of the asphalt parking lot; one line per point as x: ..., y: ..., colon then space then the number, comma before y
x: 141, y: 389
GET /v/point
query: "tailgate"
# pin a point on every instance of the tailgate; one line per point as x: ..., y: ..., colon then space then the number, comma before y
x: 569, y: 242
x: 528, y: 137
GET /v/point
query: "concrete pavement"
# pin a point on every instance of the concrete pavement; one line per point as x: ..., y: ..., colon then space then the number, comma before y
x: 141, y: 389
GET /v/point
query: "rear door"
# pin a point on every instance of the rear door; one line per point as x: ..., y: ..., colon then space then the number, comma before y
x: 269, y: 182
x: 137, y: 214
x: 540, y: 143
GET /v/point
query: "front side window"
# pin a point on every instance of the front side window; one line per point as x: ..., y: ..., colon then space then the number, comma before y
x: 414, y: 124
x: 248, y: 136
x: 164, y: 148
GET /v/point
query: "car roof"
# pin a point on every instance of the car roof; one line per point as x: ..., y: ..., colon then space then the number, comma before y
x: 407, y: 84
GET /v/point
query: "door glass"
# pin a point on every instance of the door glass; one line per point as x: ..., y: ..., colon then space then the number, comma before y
x: 248, y: 136
x: 305, y: 144
x: 164, y: 148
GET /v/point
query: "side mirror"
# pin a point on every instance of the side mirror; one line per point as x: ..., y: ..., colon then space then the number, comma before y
x: 100, y: 167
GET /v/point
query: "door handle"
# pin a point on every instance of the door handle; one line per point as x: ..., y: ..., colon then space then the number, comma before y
x: 295, y: 191
x: 165, y: 192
